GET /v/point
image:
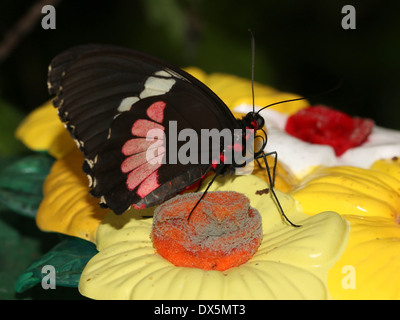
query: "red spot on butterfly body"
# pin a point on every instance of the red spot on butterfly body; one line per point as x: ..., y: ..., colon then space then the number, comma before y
x: 142, y: 206
x: 254, y: 125
x: 214, y: 164
x: 237, y: 147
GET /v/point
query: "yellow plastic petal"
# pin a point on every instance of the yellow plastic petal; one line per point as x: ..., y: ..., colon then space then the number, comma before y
x: 42, y: 130
x: 285, y: 180
x: 370, y: 201
x: 292, y: 263
x: 369, y: 268
x: 234, y: 90
x: 349, y: 190
x: 389, y: 166
x: 67, y: 206
x: 130, y: 270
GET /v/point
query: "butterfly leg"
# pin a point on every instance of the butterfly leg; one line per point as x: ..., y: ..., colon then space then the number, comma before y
x: 271, y: 178
x: 258, y: 162
x: 217, y: 173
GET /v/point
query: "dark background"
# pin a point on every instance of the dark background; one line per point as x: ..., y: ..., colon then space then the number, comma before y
x: 300, y: 45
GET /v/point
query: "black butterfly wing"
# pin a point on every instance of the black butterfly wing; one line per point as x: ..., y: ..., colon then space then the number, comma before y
x: 109, y: 97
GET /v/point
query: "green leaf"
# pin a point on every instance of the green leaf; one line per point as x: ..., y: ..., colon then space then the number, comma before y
x: 20, y: 244
x: 25, y: 204
x: 68, y: 258
x: 21, y: 183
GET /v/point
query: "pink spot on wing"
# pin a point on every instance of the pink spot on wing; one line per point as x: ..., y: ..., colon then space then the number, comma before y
x: 152, y: 156
x: 156, y: 111
x: 148, y: 185
x: 145, y: 128
x: 133, y: 162
x: 139, y: 174
x: 137, y: 145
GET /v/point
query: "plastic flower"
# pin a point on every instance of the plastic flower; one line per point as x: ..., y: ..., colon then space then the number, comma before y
x: 365, y: 190
x: 289, y: 255
x: 370, y: 200
x: 291, y: 263
x: 67, y: 207
x: 299, y: 261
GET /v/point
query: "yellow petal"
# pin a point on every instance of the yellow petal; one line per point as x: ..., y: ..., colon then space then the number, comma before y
x: 349, y: 190
x: 67, y: 206
x: 42, y: 130
x: 369, y: 200
x: 131, y: 270
x: 389, y: 166
x: 285, y: 180
x: 291, y: 263
x: 369, y: 268
x: 234, y: 90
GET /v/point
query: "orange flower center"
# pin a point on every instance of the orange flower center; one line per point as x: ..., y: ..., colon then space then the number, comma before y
x: 223, y: 231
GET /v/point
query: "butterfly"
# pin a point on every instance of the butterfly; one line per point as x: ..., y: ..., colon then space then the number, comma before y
x: 119, y: 104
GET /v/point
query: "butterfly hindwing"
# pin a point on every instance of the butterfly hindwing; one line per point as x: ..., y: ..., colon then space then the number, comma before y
x: 109, y: 98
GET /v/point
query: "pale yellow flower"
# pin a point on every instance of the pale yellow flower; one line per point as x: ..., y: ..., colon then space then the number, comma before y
x: 291, y: 263
x: 367, y: 198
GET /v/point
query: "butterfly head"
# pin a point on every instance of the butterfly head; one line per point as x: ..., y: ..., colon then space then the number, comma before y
x: 254, y: 121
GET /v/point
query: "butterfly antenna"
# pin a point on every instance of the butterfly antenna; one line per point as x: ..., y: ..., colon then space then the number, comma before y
x: 279, y: 102
x: 304, y: 98
x: 218, y: 172
x: 253, y: 49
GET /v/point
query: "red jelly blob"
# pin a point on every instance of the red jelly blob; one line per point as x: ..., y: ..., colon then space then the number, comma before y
x: 323, y: 125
